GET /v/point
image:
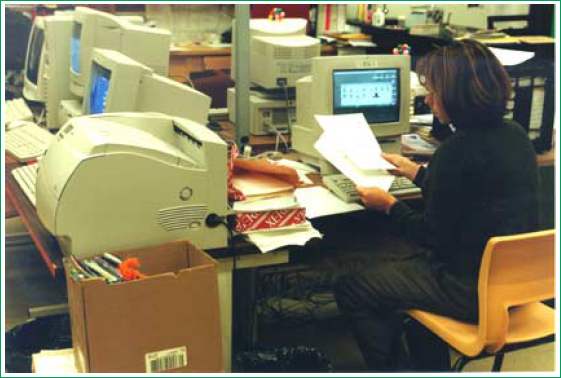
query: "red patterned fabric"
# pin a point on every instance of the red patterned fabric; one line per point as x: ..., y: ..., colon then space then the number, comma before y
x: 269, y: 219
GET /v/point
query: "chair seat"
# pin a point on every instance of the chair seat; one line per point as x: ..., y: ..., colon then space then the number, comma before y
x: 460, y: 335
x: 528, y: 322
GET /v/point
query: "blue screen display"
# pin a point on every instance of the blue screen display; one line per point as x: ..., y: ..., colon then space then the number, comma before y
x: 100, y: 80
x: 75, y: 47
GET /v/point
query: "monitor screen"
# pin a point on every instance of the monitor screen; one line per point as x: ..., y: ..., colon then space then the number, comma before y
x: 100, y: 80
x: 34, y: 54
x: 75, y: 47
x: 373, y: 92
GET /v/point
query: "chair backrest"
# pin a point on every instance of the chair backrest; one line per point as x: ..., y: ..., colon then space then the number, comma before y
x: 515, y: 270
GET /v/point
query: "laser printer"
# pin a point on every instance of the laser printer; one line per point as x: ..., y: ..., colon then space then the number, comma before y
x: 115, y: 181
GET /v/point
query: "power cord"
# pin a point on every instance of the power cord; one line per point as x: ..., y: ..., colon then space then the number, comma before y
x: 228, y: 221
x: 282, y: 83
x: 287, y: 100
x: 42, y: 118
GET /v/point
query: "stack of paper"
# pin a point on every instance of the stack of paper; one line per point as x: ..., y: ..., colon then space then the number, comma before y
x: 255, y: 186
x: 270, y: 215
x: 273, y: 239
x: 301, y: 169
x: 348, y: 143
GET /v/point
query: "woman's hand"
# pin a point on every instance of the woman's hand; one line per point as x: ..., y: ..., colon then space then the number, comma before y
x: 405, y: 167
x: 376, y: 198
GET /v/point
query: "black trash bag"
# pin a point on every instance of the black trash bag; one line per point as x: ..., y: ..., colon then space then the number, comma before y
x: 22, y: 341
x: 299, y: 359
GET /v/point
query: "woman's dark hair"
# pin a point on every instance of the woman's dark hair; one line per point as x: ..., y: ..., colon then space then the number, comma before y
x: 468, y: 79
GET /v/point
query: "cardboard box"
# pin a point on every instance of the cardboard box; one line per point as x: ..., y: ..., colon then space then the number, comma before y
x: 169, y: 319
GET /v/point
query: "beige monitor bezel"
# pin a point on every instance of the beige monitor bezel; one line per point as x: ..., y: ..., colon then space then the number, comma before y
x: 322, y: 84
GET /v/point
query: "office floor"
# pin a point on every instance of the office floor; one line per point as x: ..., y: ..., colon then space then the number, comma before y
x: 333, y: 338
x: 28, y: 284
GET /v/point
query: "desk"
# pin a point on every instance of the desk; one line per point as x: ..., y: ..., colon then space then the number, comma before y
x: 389, y: 37
x: 185, y: 59
x: 541, y: 66
x: 10, y: 211
x: 245, y: 257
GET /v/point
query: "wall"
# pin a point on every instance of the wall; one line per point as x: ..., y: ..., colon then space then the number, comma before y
x: 193, y: 23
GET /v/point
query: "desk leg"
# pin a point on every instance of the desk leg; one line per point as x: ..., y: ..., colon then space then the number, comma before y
x: 225, y: 268
x: 244, y: 316
x: 225, y: 292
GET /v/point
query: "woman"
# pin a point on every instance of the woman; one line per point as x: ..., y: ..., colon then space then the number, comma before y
x: 481, y: 182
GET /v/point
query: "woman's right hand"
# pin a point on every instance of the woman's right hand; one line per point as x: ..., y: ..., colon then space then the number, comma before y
x: 404, y: 166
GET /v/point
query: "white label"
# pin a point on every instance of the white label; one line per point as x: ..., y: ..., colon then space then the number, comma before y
x: 168, y: 359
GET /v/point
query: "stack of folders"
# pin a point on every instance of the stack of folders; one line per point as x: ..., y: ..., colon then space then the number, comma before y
x: 270, y: 216
x: 105, y: 266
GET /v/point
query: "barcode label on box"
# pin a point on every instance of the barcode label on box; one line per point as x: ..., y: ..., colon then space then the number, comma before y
x: 168, y: 359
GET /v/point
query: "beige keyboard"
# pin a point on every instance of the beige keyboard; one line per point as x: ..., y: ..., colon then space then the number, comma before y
x: 17, y: 110
x: 27, y: 142
x: 345, y: 189
x: 26, y: 177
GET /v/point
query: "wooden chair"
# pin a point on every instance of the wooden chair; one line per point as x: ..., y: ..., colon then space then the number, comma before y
x: 517, y: 273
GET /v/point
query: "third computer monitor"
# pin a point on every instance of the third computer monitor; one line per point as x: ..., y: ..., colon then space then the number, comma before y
x: 93, y: 28
x: 375, y: 85
x: 121, y: 84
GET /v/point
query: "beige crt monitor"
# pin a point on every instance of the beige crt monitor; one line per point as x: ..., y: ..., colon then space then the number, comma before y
x: 34, y: 82
x: 46, y: 76
x: 121, y: 76
x: 119, y: 83
x: 279, y: 50
x: 375, y: 85
x: 58, y: 29
x: 281, y: 59
x: 264, y: 27
x: 93, y: 28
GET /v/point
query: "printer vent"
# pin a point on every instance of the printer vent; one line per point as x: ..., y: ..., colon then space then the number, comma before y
x: 182, y: 217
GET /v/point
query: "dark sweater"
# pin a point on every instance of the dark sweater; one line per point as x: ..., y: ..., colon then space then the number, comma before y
x: 480, y: 183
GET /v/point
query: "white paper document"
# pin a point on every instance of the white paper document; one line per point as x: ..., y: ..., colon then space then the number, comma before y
x: 269, y: 240
x: 361, y: 43
x: 300, y: 168
x: 348, y: 144
x: 511, y: 57
x: 353, y: 138
x: 320, y: 202
x: 296, y: 165
x: 59, y: 361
